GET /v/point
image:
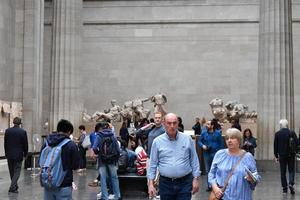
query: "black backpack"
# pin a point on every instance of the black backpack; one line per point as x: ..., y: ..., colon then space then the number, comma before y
x: 109, y: 151
x: 122, y: 161
x: 292, y: 144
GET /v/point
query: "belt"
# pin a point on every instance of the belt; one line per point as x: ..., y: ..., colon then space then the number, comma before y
x: 176, y: 178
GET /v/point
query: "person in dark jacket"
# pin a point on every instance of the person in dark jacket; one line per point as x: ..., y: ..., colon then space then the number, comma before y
x: 70, y: 160
x: 249, y: 142
x: 284, y: 156
x: 124, y: 133
x: 82, y: 150
x: 16, y: 148
x: 180, y: 125
x: 236, y: 124
x: 197, y: 126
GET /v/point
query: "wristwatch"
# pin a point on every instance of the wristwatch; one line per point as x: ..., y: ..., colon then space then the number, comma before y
x: 197, y: 177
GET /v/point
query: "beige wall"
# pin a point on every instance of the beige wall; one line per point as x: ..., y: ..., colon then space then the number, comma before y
x: 6, y: 50
x: 193, y: 51
x: 190, y: 50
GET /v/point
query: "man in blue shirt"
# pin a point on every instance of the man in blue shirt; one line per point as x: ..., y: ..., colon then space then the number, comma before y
x: 210, y: 141
x: 174, y: 154
x: 152, y: 130
x: 93, y: 137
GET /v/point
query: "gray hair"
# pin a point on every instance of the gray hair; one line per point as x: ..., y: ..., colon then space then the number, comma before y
x: 234, y: 133
x: 283, y: 123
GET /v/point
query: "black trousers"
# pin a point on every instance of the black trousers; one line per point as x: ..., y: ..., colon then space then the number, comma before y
x: 82, y: 152
x: 14, y: 168
x: 287, y: 162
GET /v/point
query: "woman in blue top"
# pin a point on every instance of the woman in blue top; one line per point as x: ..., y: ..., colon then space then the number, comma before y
x: 210, y: 141
x: 241, y: 183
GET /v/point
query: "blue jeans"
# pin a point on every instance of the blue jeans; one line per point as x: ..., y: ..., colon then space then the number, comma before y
x: 64, y: 193
x: 112, y: 169
x: 208, y: 158
x: 180, y: 189
x: 131, y: 158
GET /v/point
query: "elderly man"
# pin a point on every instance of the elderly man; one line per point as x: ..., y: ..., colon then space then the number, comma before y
x: 283, y: 154
x: 174, y: 154
x: 16, y: 148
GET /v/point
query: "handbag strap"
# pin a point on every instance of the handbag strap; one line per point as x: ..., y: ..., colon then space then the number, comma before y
x: 232, y: 171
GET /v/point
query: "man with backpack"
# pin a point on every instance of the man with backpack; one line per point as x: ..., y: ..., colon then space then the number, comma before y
x: 285, y: 143
x: 108, y: 151
x: 59, y: 157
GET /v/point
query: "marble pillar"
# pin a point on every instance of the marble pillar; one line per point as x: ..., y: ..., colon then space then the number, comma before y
x: 275, y: 72
x: 65, y: 83
x: 33, y: 66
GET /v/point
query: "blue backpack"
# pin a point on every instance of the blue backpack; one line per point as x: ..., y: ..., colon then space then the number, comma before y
x: 52, y: 173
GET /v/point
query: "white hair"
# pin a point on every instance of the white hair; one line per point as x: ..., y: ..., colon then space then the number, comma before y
x: 234, y: 133
x: 283, y: 123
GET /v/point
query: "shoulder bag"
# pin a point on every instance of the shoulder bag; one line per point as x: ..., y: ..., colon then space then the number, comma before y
x: 86, y: 142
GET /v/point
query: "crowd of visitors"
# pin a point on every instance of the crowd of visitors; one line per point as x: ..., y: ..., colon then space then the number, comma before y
x: 157, y: 149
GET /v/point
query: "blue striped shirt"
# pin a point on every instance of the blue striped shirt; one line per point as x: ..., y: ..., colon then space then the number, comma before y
x: 174, y: 158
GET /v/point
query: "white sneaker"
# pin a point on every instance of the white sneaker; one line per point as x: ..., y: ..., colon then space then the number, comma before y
x: 99, y: 196
x: 111, y: 196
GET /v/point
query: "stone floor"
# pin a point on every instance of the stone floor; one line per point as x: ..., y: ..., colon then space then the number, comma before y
x: 30, y: 189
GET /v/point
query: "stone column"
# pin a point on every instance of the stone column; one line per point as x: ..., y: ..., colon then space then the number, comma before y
x: 275, y: 72
x: 66, y: 35
x: 33, y: 66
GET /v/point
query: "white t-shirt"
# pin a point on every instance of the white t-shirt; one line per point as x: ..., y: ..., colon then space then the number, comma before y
x: 138, y: 149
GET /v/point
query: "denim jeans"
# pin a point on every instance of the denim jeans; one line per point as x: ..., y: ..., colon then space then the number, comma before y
x: 112, y: 169
x: 64, y: 193
x: 176, y: 189
x: 131, y: 158
x: 286, y: 161
x: 108, y: 182
x: 208, y: 158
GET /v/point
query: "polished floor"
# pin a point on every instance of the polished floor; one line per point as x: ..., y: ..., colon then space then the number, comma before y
x: 30, y: 189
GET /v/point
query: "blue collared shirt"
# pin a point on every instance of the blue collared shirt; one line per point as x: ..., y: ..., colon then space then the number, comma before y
x: 213, y: 141
x: 173, y: 158
x: 222, y: 165
x: 152, y: 134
